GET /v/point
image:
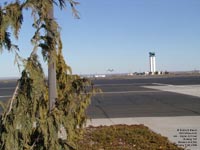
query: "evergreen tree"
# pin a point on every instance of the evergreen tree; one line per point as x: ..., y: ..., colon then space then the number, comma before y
x: 29, y: 122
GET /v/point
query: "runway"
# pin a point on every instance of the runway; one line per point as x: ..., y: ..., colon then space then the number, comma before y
x: 165, y: 105
x: 145, y: 97
x: 7, y: 87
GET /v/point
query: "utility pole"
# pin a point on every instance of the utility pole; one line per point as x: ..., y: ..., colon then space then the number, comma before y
x: 52, y: 91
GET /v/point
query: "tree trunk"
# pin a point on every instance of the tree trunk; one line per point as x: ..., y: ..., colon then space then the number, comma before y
x: 52, y: 70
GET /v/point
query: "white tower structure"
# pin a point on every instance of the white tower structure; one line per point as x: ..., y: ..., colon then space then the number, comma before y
x: 152, y: 62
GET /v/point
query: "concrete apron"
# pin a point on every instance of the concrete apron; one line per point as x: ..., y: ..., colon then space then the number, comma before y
x: 184, y: 131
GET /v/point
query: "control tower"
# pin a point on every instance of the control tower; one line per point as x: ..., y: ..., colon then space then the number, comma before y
x: 152, y: 62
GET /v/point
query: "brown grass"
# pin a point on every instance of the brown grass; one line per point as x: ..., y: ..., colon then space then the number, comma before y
x: 123, y: 137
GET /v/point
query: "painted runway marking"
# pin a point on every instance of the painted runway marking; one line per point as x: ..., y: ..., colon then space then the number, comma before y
x: 124, y: 92
x: 4, y: 96
x: 121, y: 84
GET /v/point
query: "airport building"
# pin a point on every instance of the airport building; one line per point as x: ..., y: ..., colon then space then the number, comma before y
x: 152, y: 62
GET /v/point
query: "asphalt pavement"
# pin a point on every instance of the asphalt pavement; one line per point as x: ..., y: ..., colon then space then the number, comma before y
x: 7, y: 88
x: 144, y: 98
x: 167, y: 105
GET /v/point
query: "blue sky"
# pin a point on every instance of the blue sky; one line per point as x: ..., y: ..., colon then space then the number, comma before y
x: 119, y: 35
